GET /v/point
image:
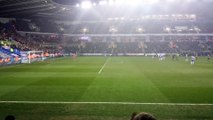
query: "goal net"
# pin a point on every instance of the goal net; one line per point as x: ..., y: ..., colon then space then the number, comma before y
x: 32, y: 56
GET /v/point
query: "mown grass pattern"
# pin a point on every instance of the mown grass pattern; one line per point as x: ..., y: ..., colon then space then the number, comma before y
x: 123, y: 79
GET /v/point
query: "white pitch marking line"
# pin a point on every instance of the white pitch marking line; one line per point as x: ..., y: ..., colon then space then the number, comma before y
x: 116, y: 103
x: 103, y: 66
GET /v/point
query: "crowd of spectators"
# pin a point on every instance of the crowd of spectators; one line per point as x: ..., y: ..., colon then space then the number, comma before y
x: 175, y: 46
x: 28, y: 42
x: 57, y: 42
x: 12, y: 43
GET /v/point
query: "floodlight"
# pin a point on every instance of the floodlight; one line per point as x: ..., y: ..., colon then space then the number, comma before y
x: 77, y: 5
x: 84, y: 30
x: 197, y: 29
x: 167, y: 29
x: 140, y: 30
x: 86, y: 4
x: 94, y: 4
x: 191, y: 29
x: 113, y: 29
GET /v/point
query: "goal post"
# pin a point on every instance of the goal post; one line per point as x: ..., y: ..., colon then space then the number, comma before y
x: 32, y: 56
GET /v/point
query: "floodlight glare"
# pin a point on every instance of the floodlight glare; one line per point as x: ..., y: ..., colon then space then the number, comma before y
x: 84, y: 30
x: 111, y: 2
x: 77, y: 5
x: 170, y: 0
x: 122, y: 18
x: 86, y: 4
x: 119, y: 2
x: 94, y: 4
x: 113, y: 29
x: 188, y: 1
x: 133, y: 2
x: 140, y: 30
x: 150, y: 1
x: 103, y: 2
x: 167, y: 29
x: 127, y: 2
x: 154, y: 1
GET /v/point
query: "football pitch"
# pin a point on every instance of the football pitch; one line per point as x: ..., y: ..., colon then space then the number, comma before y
x: 107, y: 88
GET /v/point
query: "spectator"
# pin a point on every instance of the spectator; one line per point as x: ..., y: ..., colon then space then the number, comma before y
x: 9, y: 117
x: 142, y: 116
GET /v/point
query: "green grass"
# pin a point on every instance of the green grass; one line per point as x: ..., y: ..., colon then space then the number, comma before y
x: 123, y: 79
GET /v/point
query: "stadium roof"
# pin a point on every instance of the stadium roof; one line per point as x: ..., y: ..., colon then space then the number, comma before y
x: 67, y: 9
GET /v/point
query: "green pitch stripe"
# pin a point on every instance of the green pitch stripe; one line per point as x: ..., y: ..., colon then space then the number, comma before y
x: 116, y: 103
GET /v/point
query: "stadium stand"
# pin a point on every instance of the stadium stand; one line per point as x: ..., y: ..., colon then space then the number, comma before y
x: 12, y: 43
x: 175, y: 34
x: 53, y: 42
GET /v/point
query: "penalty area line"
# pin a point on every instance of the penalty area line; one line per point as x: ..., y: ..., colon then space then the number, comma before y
x: 99, y: 72
x: 110, y: 103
